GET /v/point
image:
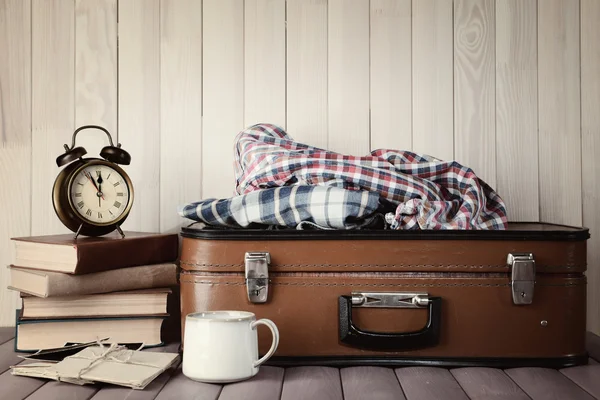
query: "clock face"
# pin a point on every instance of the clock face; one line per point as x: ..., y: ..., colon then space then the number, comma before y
x: 99, y: 194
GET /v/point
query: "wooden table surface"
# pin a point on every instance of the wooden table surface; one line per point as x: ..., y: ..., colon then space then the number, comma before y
x: 324, y: 383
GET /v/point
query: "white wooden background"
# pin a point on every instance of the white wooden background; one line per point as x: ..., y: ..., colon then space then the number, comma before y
x: 510, y: 88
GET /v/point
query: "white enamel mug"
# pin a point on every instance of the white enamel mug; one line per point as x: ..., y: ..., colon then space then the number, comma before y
x: 222, y: 346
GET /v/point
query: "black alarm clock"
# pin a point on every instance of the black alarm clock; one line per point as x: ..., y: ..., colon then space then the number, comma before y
x: 93, y: 196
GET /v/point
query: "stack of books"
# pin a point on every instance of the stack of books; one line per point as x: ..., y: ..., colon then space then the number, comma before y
x: 91, y: 288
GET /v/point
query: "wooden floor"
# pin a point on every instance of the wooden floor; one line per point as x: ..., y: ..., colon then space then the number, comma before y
x: 324, y: 383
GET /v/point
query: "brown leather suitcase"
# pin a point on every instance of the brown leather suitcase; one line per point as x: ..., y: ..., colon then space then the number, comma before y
x: 450, y: 298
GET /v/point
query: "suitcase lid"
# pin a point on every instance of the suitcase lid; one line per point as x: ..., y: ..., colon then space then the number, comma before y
x: 554, y: 249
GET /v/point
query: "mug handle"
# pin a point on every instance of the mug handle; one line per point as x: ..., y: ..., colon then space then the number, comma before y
x: 271, y: 325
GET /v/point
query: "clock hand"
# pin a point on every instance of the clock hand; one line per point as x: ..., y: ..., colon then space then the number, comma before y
x: 100, y: 187
x: 89, y: 176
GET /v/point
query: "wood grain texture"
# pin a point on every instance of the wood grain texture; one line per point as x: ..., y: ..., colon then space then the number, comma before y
x: 8, y: 356
x: 348, y: 76
x: 15, y: 141
x: 559, y: 112
x: 374, y: 383
x: 18, y: 387
x: 474, y: 87
x: 586, y: 377
x: 223, y: 93
x: 139, y: 107
x: 590, y: 136
x: 432, y: 78
x: 60, y: 390
x: 424, y: 383
x: 516, y: 107
x: 265, y: 385
x: 52, y: 104
x: 307, y: 383
x: 95, y: 71
x: 487, y: 383
x: 181, y: 387
x: 6, y: 334
x: 390, y: 74
x: 180, y: 109
x: 306, y: 64
x: 264, y: 62
x: 546, y: 384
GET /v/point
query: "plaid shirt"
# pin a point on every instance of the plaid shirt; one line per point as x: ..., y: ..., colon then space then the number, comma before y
x: 424, y: 192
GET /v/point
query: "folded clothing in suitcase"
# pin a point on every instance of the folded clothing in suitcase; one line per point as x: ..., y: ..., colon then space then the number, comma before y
x: 503, y: 298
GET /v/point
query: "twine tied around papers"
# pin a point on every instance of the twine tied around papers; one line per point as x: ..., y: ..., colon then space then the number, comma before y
x: 106, y: 356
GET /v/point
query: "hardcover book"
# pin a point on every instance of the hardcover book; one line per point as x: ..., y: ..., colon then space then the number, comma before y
x: 54, y: 284
x: 116, y: 304
x: 84, y: 255
x: 33, y: 335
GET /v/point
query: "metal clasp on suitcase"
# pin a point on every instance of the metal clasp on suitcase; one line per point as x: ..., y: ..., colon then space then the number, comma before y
x: 257, y: 276
x: 522, y: 279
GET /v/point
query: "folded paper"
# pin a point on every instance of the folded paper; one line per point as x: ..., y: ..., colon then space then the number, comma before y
x: 112, y: 364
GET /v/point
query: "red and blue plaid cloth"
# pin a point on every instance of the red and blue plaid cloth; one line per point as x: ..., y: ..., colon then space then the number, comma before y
x: 280, y: 182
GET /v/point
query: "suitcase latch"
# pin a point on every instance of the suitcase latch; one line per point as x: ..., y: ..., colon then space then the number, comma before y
x: 390, y: 300
x: 257, y: 276
x: 522, y: 279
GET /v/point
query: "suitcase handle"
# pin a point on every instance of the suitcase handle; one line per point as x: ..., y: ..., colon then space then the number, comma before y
x: 426, y: 337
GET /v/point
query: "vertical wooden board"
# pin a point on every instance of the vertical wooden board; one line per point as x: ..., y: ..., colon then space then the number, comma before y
x: 348, y: 76
x: 181, y: 108
x: 18, y: 387
x: 6, y: 333
x: 487, y: 383
x: 590, y: 136
x: 182, y: 387
x: 559, y: 112
x: 474, y: 87
x: 423, y: 383
x: 586, y: 377
x: 52, y: 104
x: 306, y: 64
x: 223, y: 93
x: 139, y: 107
x: 391, y: 74
x: 375, y: 383
x: 266, y: 384
x: 516, y: 108
x: 432, y: 78
x: 264, y: 62
x: 307, y: 383
x: 546, y: 384
x: 95, y: 72
x: 15, y: 141
x: 62, y: 390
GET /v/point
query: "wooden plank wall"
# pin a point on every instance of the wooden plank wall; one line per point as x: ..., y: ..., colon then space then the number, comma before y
x: 510, y: 88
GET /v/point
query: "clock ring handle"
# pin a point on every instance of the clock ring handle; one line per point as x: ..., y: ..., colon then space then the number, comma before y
x: 88, y: 127
x: 110, y: 153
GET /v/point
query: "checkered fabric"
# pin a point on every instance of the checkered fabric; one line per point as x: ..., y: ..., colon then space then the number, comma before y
x: 289, y: 206
x: 425, y: 193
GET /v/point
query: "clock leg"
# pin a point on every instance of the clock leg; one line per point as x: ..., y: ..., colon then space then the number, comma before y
x: 77, y: 233
x: 120, y: 231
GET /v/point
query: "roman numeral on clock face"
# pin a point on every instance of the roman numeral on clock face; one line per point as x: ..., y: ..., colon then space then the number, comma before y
x: 117, y: 204
x: 77, y: 194
x: 120, y: 194
x: 116, y: 184
x: 99, y: 215
x: 80, y: 204
x: 88, y: 213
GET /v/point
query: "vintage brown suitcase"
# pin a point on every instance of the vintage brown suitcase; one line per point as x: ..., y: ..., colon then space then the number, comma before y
x: 450, y: 298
